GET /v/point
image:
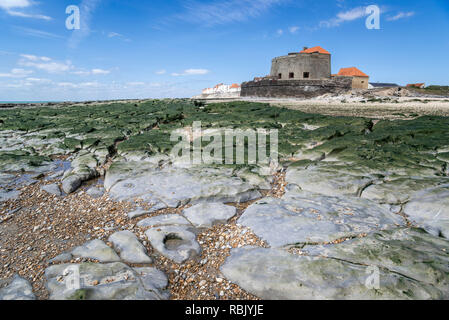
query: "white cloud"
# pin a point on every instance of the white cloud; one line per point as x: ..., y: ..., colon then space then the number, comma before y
x: 100, y: 71
x: 280, y: 32
x: 401, y: 15
x: 27, y: 15
x: 293, y: 29
x: 91, y: 72
x: 118, y: 36
x: 114, y: 34
x: 160, y: 72
x: 11, y: 6
x: 45, y: 64
x: 228, y: 11
x: 38, y: 80
x: 35, y: 58
x: 79, y: 85
x: 81, y: 73
x: 16, y: 73
x: 191, y: 72
x: 345, y: 16
x: 66, y: 84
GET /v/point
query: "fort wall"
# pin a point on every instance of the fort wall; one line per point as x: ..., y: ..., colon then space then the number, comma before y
x: 299, y: 66
x: 295, y: 88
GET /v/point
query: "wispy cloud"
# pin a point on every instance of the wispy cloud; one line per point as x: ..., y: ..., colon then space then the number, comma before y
x: 87, y: 8
x: 344, y: 16
x: 293, y: 29
x: 37, y: 33
x: 161, y: 72
x: 91, y: 72
x: 118, y: 36
x: 401, y: 15
x: 12, y: 6
x: 191, y: 72
x: 100, y: 71
x: 44, y: 64
x: 16, y: 73
x: 227, y: 11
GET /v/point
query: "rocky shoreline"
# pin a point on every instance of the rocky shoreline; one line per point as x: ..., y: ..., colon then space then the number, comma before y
x: 102, y: 200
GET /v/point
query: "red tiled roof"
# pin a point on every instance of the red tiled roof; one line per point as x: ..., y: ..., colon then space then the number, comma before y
x: 352, y: 72
x: 418, y: 85
x: 235, y: 85
x: 315, y: 49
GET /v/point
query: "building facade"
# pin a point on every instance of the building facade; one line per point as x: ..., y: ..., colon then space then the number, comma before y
x: 223, y: 88
x: 309, y: 64
x: 360, y: 80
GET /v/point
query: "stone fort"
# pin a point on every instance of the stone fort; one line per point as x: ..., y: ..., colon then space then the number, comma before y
x: 305, y: 74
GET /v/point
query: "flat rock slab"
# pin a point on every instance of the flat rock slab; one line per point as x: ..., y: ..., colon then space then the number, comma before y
x: 72, y: 183
x: 52, y: 189
x: 6, y: 195
x: 174, y: 242
x: 18, y: 289
x: 113, y: 281
x: 274, y: 274
x: 141, y: 212
x: 95, y: 192
x: 6, y: 179
x: 206, y: 215
x: 327, y: 181
x: 129, y: 247
x: 302, y: 217
x: 97, y: 250
x: 177, y: 186
x: 430, y: 209
x: 413, y: 253
x: 164, y: 220
x: 152, y: 278
x: 399, y: 190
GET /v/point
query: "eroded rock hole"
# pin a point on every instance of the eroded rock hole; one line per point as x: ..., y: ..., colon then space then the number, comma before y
x: 173, y: 241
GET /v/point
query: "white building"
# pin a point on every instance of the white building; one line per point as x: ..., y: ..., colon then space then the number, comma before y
x: 222, y: 89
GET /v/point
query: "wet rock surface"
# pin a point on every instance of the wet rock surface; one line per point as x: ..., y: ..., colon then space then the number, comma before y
x: 97, y: 250
x: 277, y: 274
x: 129, y: 247
x: 206, y: 215
x: 429, y: 208
x: 174, y: 242
x: 18, y: 289
x: 303, y: 217
x: 52, y: 189
x: 177, y: 186
x: 113, y: 281
x: 412, y: 253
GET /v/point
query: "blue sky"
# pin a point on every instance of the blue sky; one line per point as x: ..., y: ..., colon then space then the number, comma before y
x: 171, y: 48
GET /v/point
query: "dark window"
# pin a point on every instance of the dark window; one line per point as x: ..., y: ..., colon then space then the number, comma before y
x: 363, y: 81
x: 291, y: 75
x: 280, y: 75
x: 306, y: 75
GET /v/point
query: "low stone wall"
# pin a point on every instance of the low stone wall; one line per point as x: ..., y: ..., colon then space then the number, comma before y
x: 295, y: 88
